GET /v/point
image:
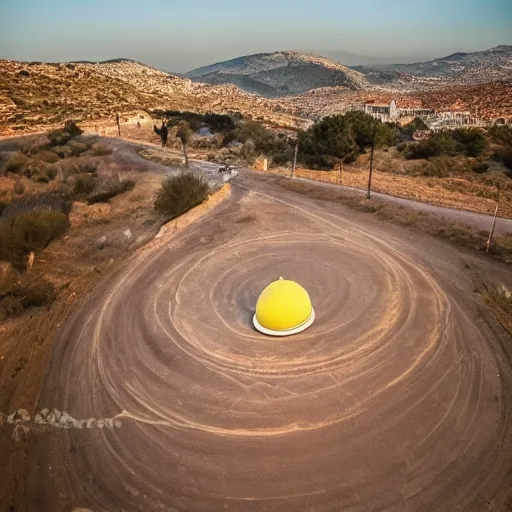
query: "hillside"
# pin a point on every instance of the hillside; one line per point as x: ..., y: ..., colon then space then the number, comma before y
x: 486, y: 101
x: 459, y: 68
x: 36, y: 94
x: 279, y: 74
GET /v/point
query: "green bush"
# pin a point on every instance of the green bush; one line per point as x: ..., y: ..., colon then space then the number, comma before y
x: 29, y: 231
x: 436, y: 167
x: 180, y: 193
x: 343, y: 137
x: 504, y: 155
x: 470, y: 142
x: 501, y: 134
x: 110, y: 189
x: 439, y: 144
x: 60, y: 137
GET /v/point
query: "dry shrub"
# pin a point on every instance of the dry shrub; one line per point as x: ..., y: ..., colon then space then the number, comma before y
x: 77, y: 148
x: 84, y: 184
x: 18, y: 292
x: 47, y: 156
x: 29, y: 231
x: 181, y: 193
x: 18, y: 188
x: 101, y: 150
x: 15, y: 163
x: 110, y: 189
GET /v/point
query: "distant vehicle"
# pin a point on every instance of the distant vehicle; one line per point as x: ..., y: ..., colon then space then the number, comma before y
x: 225, y: 169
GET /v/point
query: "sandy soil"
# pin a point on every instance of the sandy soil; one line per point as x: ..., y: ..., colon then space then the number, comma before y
x: 399, y: 397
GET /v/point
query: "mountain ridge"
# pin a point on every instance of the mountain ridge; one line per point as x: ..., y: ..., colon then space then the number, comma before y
x: 280, y: 73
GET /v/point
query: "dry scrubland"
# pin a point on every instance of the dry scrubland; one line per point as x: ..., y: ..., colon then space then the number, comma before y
x: 37, y: 95
x: 396, y: 177
x: 72, y: 192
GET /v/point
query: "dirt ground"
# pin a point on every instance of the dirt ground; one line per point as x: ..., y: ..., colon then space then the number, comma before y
x: 159, y: 395
x: 100, y: 237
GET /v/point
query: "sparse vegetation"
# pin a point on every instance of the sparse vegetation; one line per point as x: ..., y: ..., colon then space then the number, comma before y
x: 109, y: 189
x: 83, y: 184
x: 19, y: 292
x: 455, y: 233
x: 29, y: 231
x: 500, y: 301
x: 101, y: 150
x: 181, y: 193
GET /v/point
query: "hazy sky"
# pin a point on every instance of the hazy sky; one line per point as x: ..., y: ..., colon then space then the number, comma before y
x: 181, y: 35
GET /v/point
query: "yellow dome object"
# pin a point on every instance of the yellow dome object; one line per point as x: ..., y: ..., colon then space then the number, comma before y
x: 283, y: 308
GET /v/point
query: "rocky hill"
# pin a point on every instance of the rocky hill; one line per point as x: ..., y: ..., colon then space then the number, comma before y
x: 459, y: 68
x: 488, y: 101
x: 280, y: 73
x: 36, y: 94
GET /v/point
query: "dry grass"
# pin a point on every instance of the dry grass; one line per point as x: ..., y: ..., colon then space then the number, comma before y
x: 470, y: 192
x: 161, y: 156
x: 499, y: 300
x: 458, y: 234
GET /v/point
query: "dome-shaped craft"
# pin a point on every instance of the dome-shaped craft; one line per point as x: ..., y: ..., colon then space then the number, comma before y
x: 283, y: 308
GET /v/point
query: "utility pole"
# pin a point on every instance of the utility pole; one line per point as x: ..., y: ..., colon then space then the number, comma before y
x: 295, y: 158
x: 491, y: 234
x: 118, y: 122
x: 368, y: 193
x: 340, y: 175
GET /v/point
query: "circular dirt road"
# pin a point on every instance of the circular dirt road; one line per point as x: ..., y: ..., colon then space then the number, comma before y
x: 397, y: 398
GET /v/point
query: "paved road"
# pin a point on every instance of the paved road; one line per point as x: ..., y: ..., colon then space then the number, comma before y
x: 398, y: 398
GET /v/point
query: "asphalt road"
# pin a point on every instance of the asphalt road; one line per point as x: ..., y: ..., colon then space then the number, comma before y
x: 398, y: 398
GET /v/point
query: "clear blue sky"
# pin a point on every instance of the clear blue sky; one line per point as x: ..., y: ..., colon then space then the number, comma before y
x: 181, y: 35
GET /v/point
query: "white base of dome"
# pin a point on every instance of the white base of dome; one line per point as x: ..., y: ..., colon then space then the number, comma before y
x: 287, y: 332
